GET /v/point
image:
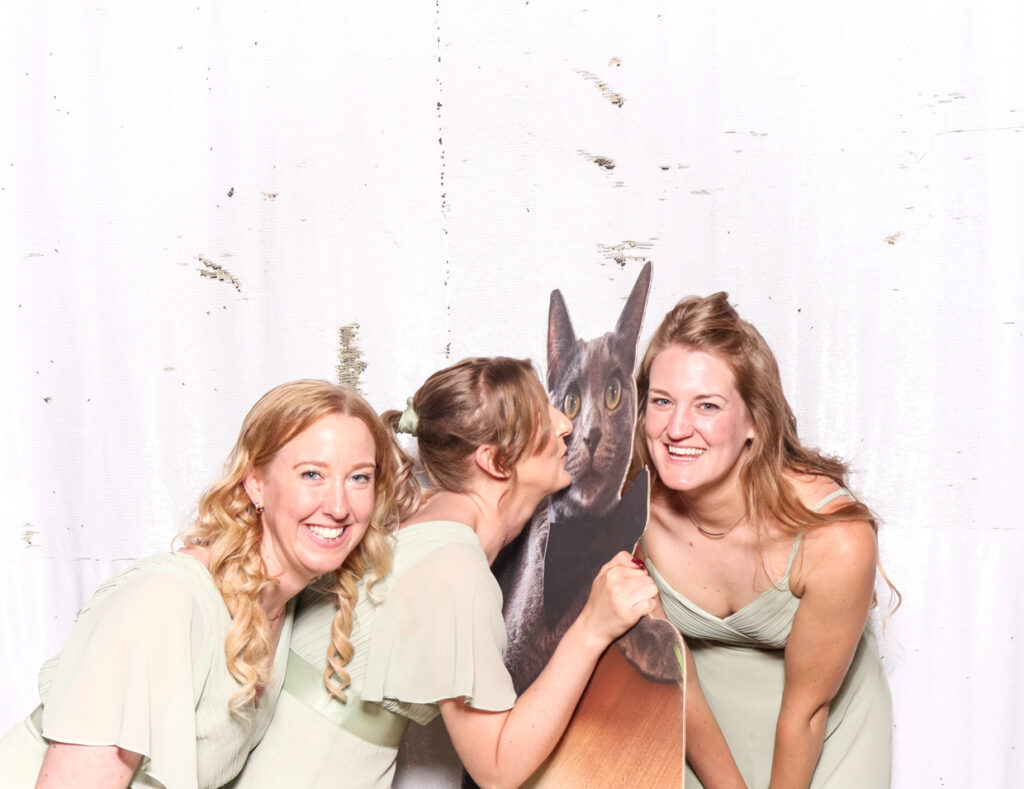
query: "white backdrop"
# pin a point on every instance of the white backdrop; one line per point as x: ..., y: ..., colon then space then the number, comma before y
x: 202, y: 200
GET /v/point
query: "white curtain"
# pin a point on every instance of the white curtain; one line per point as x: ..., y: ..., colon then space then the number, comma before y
x: 200, y: 201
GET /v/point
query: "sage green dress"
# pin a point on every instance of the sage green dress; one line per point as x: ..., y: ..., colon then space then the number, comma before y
x: 437, y: 633
x: 144, y: 669
x: 740, y: 663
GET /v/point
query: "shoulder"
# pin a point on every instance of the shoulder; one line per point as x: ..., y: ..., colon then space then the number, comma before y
x: 170, y: 577
x: 839, y: 551
x: 814, y: 489
x: 448, y: 565
x: 157, y: 589
x: 838, y: 555
x: 437, y: 542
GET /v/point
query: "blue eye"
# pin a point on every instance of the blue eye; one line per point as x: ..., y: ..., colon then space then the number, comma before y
x: 362, y: 479
x: 708, y: 407
x: 311, y: 474
x: 659, y: 401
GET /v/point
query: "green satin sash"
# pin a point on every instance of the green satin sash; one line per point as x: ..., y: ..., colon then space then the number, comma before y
x: 366, y: 720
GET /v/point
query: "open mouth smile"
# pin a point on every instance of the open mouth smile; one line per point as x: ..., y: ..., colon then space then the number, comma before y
x: 685, y: 453
x: 327, y: 533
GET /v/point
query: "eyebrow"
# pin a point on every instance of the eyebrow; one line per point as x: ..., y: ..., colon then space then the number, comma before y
x: 702, y: 396
x: 317, y: 463
x: 320, y: 464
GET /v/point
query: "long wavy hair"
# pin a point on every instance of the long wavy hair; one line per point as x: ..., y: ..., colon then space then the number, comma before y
x: 712, y: 325
x: 229, y: 529
x: 492, y: 400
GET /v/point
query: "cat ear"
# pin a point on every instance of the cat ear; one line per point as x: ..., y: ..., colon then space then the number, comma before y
x: 627, y: 330
x: 561, y: 338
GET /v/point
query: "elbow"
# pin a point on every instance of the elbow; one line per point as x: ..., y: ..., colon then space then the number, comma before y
x: 803, y: 722
x: 492, y: 781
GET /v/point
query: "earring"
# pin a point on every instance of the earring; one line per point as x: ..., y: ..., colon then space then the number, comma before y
x: 259, y: 511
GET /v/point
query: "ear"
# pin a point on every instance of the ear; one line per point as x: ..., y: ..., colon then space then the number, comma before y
x: 253, y: 484
x: 561, y: 338
x: 627, y: 330
x: 483, y: 456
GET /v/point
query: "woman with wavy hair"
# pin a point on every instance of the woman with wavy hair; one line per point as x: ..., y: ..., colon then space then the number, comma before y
x: 433, y: 643
x: 765, y: 561
x: 173, y: 669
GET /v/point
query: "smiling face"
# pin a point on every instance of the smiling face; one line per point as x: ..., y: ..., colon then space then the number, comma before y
x: 317, y: 495
x: 696, y: 424
x: 543, y: 472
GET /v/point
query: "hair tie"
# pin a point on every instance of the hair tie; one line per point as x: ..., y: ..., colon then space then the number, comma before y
x: 409, y: 420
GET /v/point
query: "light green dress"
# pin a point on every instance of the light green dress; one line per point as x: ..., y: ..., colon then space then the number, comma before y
x: 144, y: 669
x: 740, y: 663
x: 437, y: 634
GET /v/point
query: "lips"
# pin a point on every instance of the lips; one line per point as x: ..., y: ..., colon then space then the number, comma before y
x: 684, y: 453
x: 326, y: 533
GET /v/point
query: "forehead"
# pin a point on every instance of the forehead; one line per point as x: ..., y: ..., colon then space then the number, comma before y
x: 689, y: 369
x: 338, y: 435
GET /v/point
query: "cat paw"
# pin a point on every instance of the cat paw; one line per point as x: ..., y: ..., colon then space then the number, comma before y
x: 654, y: 648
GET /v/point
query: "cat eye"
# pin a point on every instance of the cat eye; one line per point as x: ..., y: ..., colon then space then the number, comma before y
x: 613, y: 393
x: 571, y: 404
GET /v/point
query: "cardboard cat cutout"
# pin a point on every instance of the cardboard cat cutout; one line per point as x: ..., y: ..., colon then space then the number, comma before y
x: 546, y: 573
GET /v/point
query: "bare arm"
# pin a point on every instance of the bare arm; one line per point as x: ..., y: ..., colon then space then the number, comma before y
x: 505, y: 748
x: 838, y: 587
x: 86, y: 767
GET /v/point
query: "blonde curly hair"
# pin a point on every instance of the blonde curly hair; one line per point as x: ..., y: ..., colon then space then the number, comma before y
x: 229, y: 529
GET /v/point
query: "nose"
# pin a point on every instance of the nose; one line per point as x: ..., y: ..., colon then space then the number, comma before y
x: 336, y: 500
x: 680, y: 425
x: 560, y: 422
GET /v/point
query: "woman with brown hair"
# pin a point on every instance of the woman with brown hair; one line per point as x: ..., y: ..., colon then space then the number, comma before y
x: 764, y: 561
x: 492, y: 448
x: 172, y: 672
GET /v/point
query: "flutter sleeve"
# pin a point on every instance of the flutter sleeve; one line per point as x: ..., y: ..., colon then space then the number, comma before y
x: 440, y: 635
x: 130, y: 675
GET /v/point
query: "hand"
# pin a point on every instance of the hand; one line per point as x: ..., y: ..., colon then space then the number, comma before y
x: 619, y: 596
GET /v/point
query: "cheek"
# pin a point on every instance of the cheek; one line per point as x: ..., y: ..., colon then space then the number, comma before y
x: 733, y: 432
x: 654, y: 426
x: 364, y: 505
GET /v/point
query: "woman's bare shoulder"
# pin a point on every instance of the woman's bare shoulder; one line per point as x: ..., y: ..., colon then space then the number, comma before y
x: 813, y: 489
x: 840, y: 546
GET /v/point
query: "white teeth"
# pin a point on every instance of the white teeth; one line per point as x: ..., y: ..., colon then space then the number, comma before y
x: 685, y: 451
x: 325, y: 533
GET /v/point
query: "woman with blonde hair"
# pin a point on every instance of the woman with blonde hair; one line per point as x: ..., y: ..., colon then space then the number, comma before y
x: 493, y: 449
x: 171, y: 674
x: 765, y: 562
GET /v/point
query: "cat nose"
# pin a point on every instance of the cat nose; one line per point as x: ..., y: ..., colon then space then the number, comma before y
x: 592, y: 439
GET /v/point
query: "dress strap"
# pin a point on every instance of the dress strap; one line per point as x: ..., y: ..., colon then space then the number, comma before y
x: 792, y: 554
x: 833, y: 495
x: 817, y: 507
x: 366, y: 720
x: 800, y: 537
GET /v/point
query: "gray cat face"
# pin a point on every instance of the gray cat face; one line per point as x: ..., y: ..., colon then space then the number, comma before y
x: 591, y: 381
x: 596, y: 392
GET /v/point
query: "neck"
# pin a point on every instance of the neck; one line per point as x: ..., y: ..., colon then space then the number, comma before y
x: 492, y: 518
x: 275, y: 597
x: 713, y: 513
